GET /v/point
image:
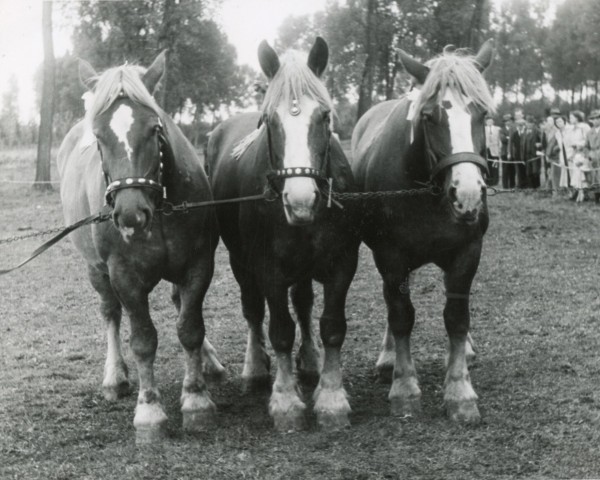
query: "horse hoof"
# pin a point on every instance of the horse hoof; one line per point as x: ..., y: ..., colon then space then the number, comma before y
x: 405, y: 406
x: 385, y: 373
x: 463, y: 412
x: 331, y: 422
x: 260, y: 383
x: 287, y: 411
x: 150, y: 434
x: 115, y: 392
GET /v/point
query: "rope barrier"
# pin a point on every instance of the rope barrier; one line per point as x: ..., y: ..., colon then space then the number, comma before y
x: 31, y: 182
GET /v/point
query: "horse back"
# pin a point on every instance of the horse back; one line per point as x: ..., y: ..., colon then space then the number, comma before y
x: 81, y: 186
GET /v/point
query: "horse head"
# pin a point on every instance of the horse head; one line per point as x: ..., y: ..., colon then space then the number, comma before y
x: 449, y: 114
x: 126, y: 122
x: 297, y: 116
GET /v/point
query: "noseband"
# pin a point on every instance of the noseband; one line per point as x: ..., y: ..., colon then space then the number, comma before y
x: 321, y: 174
x: 437, y: 166
x: 113, y: 186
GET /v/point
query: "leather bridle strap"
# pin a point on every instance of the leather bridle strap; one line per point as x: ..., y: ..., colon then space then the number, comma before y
x: 456, y: 158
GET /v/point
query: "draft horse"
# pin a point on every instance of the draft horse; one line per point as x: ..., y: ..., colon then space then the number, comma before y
x: 128, y: 157
x: 433, y: 135
x: 284, y: 244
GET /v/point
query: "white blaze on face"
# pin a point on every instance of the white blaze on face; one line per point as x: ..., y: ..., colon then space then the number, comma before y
x: 121, y: 123
x: 466, y: 176
x: 299, y: 192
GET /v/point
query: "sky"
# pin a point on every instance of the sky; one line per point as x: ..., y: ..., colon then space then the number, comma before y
x: 246, y: 23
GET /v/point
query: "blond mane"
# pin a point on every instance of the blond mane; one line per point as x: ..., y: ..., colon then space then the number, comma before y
x: 459, y: 72
x: 110, y: 84
x: 293, y: 80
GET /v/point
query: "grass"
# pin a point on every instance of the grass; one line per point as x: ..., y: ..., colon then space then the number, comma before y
x: 535, y: 317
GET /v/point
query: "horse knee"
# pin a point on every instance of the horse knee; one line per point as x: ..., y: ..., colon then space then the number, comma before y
x: 333, y: 331
x: 144, y: 341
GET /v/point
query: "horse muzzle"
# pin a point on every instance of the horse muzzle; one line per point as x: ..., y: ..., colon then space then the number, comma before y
x: 466, y: 192
x: 300, y: 199
x: 133, y: 219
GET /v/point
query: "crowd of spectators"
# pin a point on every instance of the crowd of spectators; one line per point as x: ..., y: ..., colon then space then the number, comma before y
x: 561, y: 153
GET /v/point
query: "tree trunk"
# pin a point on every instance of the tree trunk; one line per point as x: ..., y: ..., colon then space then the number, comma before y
x: 42, y: 173
x: 365, y: 90
x: 472, y: 35
x: 166, y: 41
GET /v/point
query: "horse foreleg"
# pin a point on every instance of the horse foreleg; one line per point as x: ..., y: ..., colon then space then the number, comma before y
x: 211, y: 365
x: 405, y: 394
x: 116, y: 378
x: 197, y: 407
x: 331, y: 402
x: 459, y: 396
x: 387, y: 357
x: 308, y: 357
x: 285, y: 406
x: 150, y: 418
x: 257, y: 363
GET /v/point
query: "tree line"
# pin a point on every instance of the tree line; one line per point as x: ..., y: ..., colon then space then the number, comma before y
x: 535, y: 53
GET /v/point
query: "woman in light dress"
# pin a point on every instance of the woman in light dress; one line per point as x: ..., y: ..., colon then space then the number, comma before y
x: 578, y: 164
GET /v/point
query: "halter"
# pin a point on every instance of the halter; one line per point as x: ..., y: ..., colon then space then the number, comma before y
x: 437, y: 166
x: 112, y: 186
x: 322, y: 174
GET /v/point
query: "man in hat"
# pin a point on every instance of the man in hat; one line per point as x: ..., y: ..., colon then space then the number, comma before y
x: 548, y: 133
x: 493, y: 148
x: 508, y: 169
x: 517, y: 150
x: 592, y: 150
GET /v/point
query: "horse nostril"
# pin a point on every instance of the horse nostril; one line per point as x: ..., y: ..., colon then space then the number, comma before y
x: 115, y: 219
x: 452, y: 194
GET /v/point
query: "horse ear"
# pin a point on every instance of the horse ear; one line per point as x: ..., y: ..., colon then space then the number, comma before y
x: 318, y: 57
x: 414, y: 67
x: 268, y: 59
x: 87, y: 74
x: 155, y: 72
x: 485, y: 55
x: 449, y: 48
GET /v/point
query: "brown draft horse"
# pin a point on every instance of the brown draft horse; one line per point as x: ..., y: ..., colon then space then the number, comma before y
x: 128, y: 154
x: 285, y: 244
x: 434, y: 134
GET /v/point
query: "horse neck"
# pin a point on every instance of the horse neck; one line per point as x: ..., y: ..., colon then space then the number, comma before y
x: 184, y: 161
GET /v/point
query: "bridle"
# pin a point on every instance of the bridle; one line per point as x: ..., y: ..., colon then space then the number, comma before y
x: 156, y: 185
x: 275, y: 174
x: 438, y: 166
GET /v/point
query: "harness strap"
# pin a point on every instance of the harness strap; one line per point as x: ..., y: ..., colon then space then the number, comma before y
x: 130, y: 182
x: 97, y: 218
x: 456, y: 158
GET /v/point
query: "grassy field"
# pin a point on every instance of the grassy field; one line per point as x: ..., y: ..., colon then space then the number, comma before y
x: 535, y: 311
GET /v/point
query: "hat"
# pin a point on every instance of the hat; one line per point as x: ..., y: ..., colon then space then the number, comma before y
x: 489, y: 117
x: 507, y: 117
x: 594, y: 114
x: 555, y: 111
